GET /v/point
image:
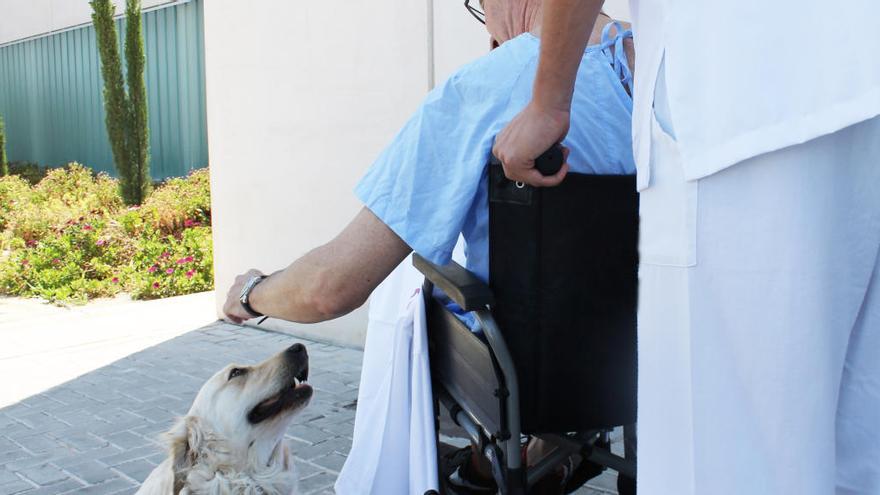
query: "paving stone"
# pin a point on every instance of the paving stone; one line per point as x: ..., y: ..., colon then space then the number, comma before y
x: 30, y: 461
x: 129, y: 455
x: 7, y: 476
x: 316, y: 482
x: 112, y: 486
x: 43, y: 475
x: 91, y: 472
x: 53, y: 489
x: 15, y: 487
x: 136, y: 470
x: 332, y: 462
x: 37, y: 443
x: 80, y: 440
x: 126, y: 440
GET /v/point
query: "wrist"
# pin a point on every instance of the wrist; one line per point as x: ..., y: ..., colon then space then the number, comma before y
x: 248, y: 295
x: 554, y: 104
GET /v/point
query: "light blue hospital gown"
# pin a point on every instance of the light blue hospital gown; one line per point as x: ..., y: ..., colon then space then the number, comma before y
x: 430, y: 184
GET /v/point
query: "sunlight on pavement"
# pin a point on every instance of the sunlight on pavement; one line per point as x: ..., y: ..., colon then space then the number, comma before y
x: 44, y: 345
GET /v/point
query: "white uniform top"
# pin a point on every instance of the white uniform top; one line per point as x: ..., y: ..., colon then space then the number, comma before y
x: 750, y: 76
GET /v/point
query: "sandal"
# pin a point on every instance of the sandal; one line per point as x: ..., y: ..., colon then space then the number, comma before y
x: 464, y: 480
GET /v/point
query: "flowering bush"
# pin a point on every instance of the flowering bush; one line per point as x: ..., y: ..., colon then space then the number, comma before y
x: 69, y: 238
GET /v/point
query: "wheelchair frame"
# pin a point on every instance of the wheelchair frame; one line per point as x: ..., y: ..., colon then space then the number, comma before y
x: 502, y: 449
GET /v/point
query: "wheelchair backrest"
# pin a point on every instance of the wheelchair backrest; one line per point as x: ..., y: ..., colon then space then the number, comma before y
x: 563, y: 271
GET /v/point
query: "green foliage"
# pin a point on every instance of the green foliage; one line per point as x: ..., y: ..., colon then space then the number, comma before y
x: 139, y: 137
x: 70, y: 238
x: 125, y: 112
x: 4, y: 166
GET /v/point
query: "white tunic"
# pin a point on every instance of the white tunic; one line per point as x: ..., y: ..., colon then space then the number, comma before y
x: 750, y: 76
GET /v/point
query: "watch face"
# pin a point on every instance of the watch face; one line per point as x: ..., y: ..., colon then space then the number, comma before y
x: 247, y: 287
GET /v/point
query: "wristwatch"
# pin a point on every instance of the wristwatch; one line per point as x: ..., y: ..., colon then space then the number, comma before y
x: 246, y: 292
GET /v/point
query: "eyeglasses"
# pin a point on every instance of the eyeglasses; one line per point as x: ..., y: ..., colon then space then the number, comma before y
x: 477, y: 13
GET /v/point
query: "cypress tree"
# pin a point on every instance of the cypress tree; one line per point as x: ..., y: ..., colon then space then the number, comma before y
x: 125, y: 113
x: 4, y: 167
x: 137, y: 95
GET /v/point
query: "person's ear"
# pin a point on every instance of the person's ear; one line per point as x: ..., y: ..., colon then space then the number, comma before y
x: 184, y: 443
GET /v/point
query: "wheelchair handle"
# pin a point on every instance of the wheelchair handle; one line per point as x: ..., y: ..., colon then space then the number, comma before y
x: 550, y: 161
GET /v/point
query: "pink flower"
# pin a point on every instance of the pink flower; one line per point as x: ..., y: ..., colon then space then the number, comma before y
x: 155, y: 285
x: 190, y: 273
x: 25, y: 262
x: 188, y: 223
x: 164, y: 254
x: 100, y: 242
x: 87, y: 227
x: 31, y: 243
x: 153, y: 268
x: 169, y: 271
x: 55, y: 261
x: 115, y: 280
x: 189, y: 259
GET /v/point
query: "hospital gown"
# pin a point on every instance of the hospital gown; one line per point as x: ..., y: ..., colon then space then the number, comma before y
x: 430, y: 183
x: 430, y: 187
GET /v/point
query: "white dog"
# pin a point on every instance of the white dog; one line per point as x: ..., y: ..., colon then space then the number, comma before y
x: 232, y: 439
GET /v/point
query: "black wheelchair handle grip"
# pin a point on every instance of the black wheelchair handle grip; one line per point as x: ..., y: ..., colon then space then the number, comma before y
x: 550, y: 161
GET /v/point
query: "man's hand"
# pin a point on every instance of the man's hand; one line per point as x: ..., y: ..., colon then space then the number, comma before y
x: 529, y: 134
x: 233, y: 309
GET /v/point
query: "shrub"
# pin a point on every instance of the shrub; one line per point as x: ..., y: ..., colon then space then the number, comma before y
x: 4, y: 166
x: 68, y: 194
x: 70, y: 238
x: 180, y: 203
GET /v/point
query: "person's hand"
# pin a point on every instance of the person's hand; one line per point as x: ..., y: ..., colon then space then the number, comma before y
x: 233, y: 310
x: 529, y: 134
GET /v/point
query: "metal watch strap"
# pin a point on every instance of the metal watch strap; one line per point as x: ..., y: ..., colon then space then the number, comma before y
x: 245, y: 297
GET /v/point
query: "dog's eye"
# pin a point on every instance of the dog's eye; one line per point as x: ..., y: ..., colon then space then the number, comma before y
x: 234, y: 372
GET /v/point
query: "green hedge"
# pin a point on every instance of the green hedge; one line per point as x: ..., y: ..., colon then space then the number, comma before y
x: 69, y: 238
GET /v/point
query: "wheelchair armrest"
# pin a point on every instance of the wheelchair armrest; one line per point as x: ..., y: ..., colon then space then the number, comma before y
x: 460, y: 285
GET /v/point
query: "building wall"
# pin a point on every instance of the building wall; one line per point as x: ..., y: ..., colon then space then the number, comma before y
x: 51, y: 93
x: 302, y: 96
x: 27, y: 18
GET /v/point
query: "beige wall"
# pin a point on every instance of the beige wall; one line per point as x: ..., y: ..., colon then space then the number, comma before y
x: 25, y: 18
x: 302, y: 96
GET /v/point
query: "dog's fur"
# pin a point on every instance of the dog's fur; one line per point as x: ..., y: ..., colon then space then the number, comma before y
x: 232, y: 439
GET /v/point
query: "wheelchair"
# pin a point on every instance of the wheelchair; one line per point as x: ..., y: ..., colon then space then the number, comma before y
x: 556, y: 355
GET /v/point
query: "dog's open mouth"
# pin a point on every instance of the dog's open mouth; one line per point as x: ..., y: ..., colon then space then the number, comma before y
x: 292, y: 396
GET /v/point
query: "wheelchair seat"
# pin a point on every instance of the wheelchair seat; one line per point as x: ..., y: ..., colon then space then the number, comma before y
x: 559, y: 317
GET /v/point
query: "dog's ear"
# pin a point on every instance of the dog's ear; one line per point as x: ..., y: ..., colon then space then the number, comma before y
x: 184, y: 444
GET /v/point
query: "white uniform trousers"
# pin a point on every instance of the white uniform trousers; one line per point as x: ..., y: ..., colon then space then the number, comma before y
x: 759, y: 322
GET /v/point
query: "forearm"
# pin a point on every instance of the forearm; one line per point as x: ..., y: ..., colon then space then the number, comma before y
x: 294, y: 293
x: 565, y: 31
x: 333, y: 279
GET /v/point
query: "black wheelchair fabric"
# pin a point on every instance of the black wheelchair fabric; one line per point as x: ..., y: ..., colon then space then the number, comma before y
x: 563, y: 270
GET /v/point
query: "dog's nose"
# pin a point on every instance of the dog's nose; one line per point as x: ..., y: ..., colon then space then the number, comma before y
x: 296, y: 349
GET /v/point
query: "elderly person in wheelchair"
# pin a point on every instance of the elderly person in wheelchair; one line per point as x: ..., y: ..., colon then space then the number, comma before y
x: 433, y: 184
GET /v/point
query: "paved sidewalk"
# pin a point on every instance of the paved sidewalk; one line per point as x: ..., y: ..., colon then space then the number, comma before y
x: 98, y: 433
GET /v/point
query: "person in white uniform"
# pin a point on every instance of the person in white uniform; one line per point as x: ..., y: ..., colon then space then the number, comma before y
x: 428, y: 188
x: 757, y: 144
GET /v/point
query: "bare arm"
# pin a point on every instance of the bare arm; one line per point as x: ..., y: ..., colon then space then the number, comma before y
x: 565, y: 31
x: 328, y: 281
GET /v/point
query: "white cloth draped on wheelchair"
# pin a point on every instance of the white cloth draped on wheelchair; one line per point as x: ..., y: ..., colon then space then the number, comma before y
x: 394, y: 450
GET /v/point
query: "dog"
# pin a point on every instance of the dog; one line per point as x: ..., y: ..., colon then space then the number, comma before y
x: 232, y: 439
